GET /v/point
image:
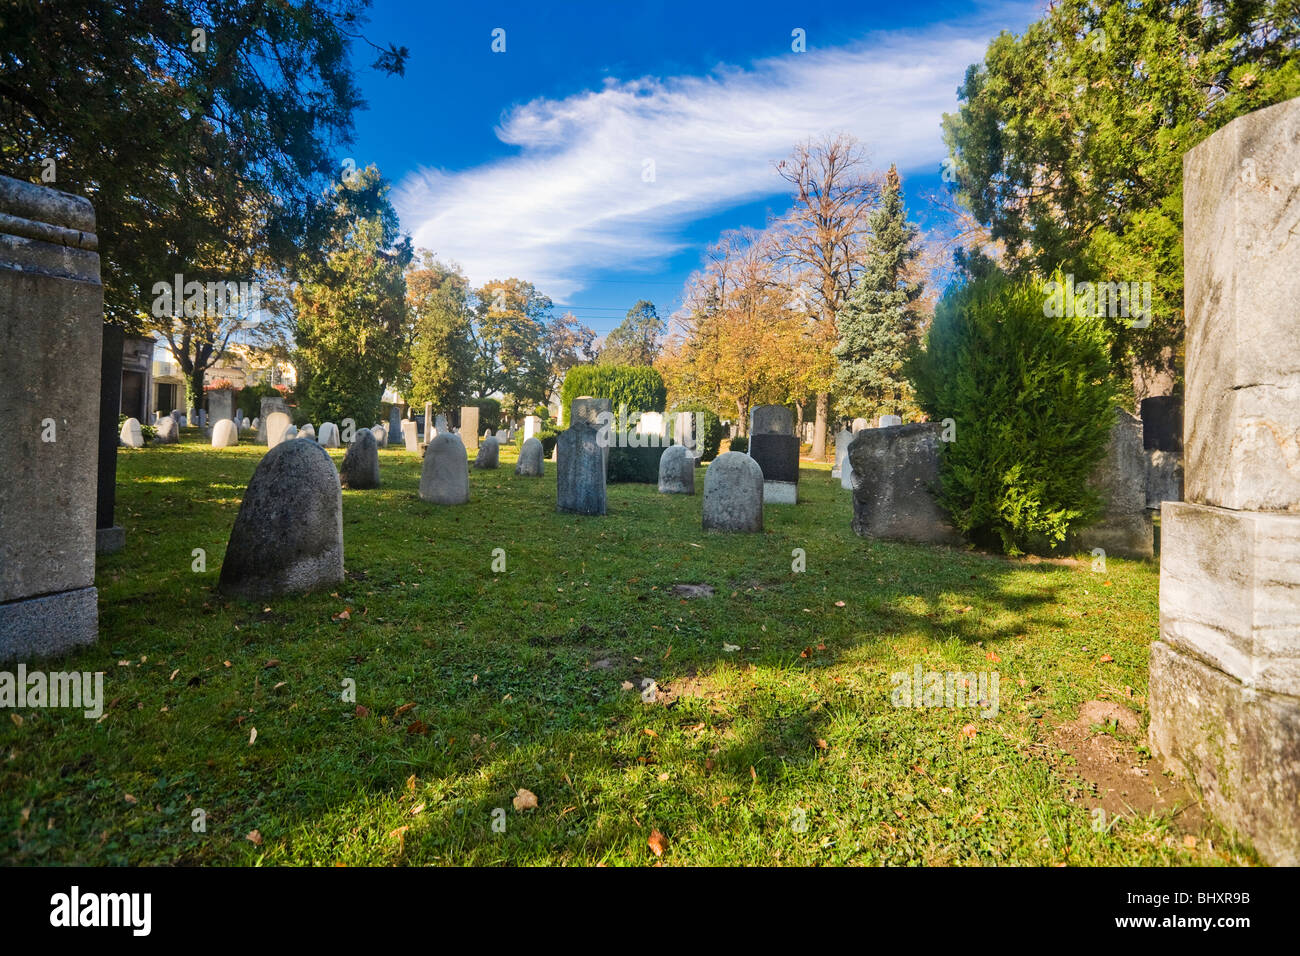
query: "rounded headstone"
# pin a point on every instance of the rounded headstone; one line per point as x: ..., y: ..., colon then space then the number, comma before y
x: 307, y: 431
x: 489, y: 453
x: 890, y: 421
x: 168, y: 432
x: 380, y: 434
x: 771, y: 420
x: 733, y: 494
x: 290, y: 432
x: 131, y: 435
x: 255, y: 424
x: 531, y: 456
x: 277, y: 423
x: 224, y: 434
x: 329, y: 435
x: 444, y: 476
x: 677, y: 471
x: 360, y: 468
x: 288, y: 536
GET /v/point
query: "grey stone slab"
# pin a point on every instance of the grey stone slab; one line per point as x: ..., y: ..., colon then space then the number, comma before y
x: 469, y: 426
x: 489, y: 454
x: 1124, y: 528
x: 277, y: 424
x: 224, y: 434
x: 130, y: 435
x: 329, y: 435
x: 777, y: 456
x: 895, y: 477
x: 360, y: 467
x: 580, y: 467
x: 269, y: 406
x: 733, y: 494
x: 167, y: 431
x: 444, y: 475
x: 531, y: 463
x: 48, y: 625
x: 771, y: 420
x: 676, y: 471
x: 1164, y: 477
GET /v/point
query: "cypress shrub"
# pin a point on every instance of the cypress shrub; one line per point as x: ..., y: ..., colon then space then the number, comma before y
x: 640, y: 465
x: 1032, y: 399
x: 639, y: 387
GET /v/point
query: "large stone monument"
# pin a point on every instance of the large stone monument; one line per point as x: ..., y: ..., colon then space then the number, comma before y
x: 895, y: 476
x: 1225, y: 675
x: 580, y: 459
x: 775, y: 446
x: 51, y: 322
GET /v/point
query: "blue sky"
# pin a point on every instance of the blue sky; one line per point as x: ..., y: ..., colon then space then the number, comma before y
x: 533, y: 162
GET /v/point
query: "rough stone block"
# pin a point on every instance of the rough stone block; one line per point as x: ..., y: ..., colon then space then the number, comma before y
x: 733, y: 494
x: 895, y: 471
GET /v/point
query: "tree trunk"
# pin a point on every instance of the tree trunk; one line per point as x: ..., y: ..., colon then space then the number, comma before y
x: 819, y: 429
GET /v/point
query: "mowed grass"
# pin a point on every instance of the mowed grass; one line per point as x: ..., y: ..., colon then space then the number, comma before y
x: 473, y: 684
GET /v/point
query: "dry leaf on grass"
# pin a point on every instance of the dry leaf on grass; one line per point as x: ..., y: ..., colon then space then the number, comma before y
x: 970, y: 730
x: 657, y: 843
x: 362, y: 711
x: 254, y: 837
x: 524, y: 800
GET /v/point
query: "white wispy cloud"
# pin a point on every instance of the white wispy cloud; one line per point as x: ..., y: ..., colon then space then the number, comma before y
x: 573, y: 200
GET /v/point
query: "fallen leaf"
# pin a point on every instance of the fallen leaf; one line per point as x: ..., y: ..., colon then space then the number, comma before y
x: 273, y: 662
x: 753, y: 773
x: 822, y: 745
x: 657, y: 843
x: 524, y: 800
x: 227, y: 663
x: 970, y: 730
x: 252, y: 737
x: 174, y: 673
x: 417, y: 810
x: 278, y: 686
x: 663, y: 777
x: 129, y: 799
x: 994, y: 658
x: 627, y: 685
x: 417, y: 727
x: 806, y: 652
x: 403, y: 709
x: 1189, y: 841
x: 362, y: 711
x: 1106, y: 658
x: 730, y: 648
x: 17, y: 719
x: 650, y: 733
x: 343, y: 615
x: 254, y: 837
x: 839, y: 603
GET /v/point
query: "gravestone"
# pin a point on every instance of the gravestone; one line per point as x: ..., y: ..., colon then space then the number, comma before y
x: 307, y: 431
x: 895, y: 474
x: 224, y: 434
x: 733, y: 494
x: 859, y: 424
x: 239, y: 417
x: 411, y: 436
x: 380, y: 434
x: 288, y: 535
x: 580, y: 459
x: 1164, y: 477
x: 530, y: 464
x: 394, y: 423
x: 277, y: 423
x: 774, y: 445
x: 469, y: 427
x: 269, y: 405
x: 444, y: 476
x: 890, y: 421
x: 290, y: 433
x: 131, y: 436
x: 360, y: 468
x: 684, y: 434
x: 1224, y: 691
x: 167, y: 431
x: 329, y: 435
x: 1162, y: 423
x: 842, y: 441
x: 1124, y: 528
x: 676, y: 471
x: 532, y: 427
x: 488, y: 454
x: 430, y: 427
x: 51, y: 355
x: 440, y: 423
x: 221, y: 404
x: 256, y: 425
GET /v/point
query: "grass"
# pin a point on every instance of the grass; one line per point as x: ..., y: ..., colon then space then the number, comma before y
x: 785, y: 751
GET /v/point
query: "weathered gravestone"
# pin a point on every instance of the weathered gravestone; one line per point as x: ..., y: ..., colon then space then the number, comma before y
x: 167, y: 433
x: 360, y: 468
x: 131, y: 436
x: 277, y: 423
x: 256, y: 425
x: 1225, y: 675
x: 859, y: 424
x: 469, y: 427
x: 221, y: 404
x: 51, y: 321
x: 733, y: 494
x: 890, y: 421
x: 488, y: 454
x: 530, y: 464
x: 1120, y: 478
x: 224, y: 434
x: 532, y: 427
x: 895, y: 474
x: 269, y: 405
x: 411, y: 436
x: 329, y: 435
x: 842, y: 441
x: 774, y: 445
x: 288, y: 536
x: 380, y: 434
x: 580, y: 459
x: 307, y: 431
x: 676, y: 471
x: 394, y: 423
x: 444, y: 476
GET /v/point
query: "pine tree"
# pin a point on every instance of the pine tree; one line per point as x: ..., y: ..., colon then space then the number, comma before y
x: 880, y: 319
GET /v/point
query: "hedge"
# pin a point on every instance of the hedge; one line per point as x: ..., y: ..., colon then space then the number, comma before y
x: 639, y: 387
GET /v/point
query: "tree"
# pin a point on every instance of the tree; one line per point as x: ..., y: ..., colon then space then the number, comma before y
x: 822, y: 240
x: 442, y: 348
x: 351, y: 308
x: 880, y: 321
x: 170, y: 115
x: 1069, y: 139
x: 510, y: 332
x: 568, y: 343
x: 636, y: 341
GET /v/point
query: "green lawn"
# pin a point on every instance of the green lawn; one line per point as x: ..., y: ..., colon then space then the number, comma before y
x: 784, y: 751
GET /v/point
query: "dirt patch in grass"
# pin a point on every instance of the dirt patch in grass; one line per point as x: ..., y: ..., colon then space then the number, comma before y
x: 1103, y: 740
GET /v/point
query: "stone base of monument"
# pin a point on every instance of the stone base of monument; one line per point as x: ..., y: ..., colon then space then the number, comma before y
x: 1120, y: 536
x: 1238, y: 746
x: 110, y: 540
x: 896, y: 472
x: 780, y: 493
x: 38, y: 627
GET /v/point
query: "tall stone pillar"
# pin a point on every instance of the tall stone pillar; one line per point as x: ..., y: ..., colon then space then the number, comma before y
x: 51, y: 333
x: 1225, y: 675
